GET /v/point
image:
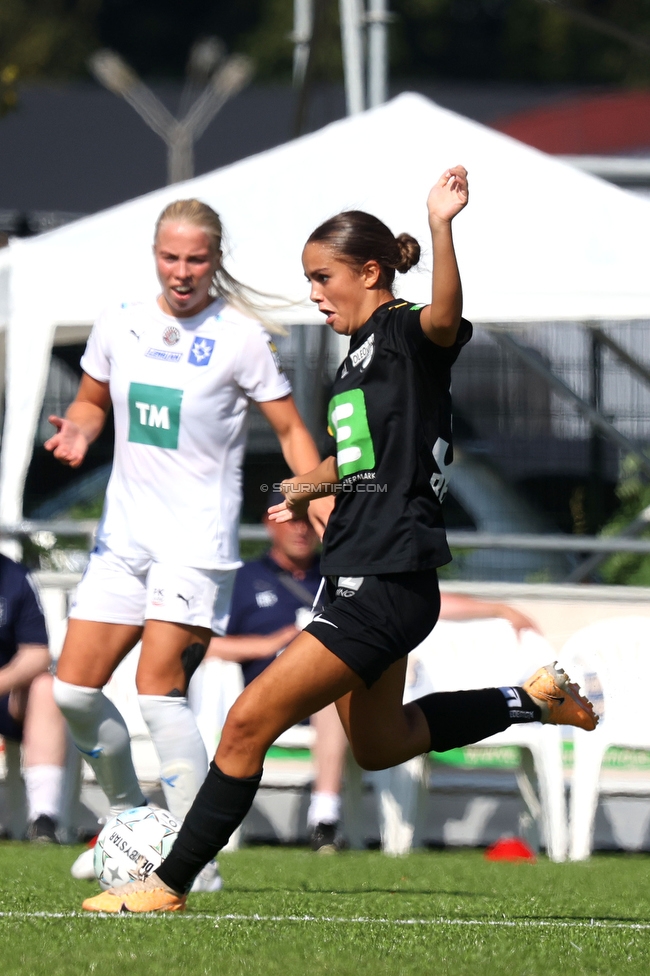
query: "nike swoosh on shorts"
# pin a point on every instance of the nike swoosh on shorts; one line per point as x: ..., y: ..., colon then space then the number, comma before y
x: 321, y: 620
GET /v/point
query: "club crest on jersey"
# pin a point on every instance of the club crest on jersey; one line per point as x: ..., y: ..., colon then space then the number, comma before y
x: 201, y: 351
x: 171, y: 335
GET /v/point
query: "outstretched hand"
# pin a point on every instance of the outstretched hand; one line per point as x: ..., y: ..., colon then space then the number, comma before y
x: 289, y: 509
x: 449, y: 195
x: 69, y: 444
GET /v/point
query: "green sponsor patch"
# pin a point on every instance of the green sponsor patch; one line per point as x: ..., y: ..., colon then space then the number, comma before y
x: 154, y: 415
x: 348, y: 420
x: 416, y: 308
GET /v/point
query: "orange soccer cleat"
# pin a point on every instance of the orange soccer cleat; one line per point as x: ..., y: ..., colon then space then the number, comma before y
x: 559, y: 699
x: 137, y: 896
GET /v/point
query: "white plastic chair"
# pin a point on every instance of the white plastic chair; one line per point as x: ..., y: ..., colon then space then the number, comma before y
x: 481, y: 654
x: 610, y: 659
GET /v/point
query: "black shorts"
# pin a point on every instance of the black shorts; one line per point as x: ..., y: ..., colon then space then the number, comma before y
x: 9, y: 727
x: 370, y: 622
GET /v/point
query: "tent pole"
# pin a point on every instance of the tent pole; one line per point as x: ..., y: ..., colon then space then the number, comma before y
x: 303, y: 20
x: 378, y: 19
x: 352, y: 44
x: 304, y: 81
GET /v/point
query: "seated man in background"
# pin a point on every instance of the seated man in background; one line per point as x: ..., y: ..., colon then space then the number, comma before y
x: 271, y: 602
x: 28, y: 713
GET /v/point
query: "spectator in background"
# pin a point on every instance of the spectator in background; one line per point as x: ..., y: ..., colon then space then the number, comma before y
x: 28, y: 713
x: 271, y: 603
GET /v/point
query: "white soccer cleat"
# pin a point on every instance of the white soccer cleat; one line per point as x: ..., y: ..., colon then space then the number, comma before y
x: 84, y: 867
x: 208, y: 879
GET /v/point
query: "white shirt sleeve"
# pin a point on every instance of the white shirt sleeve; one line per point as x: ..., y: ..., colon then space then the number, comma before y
x: 259, y: 371
x: 96, y: 358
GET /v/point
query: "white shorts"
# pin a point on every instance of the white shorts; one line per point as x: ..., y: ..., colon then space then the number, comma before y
x: 124, y: 590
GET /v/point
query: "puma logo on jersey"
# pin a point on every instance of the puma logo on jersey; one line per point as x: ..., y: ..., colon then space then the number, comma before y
x: 185, y: 599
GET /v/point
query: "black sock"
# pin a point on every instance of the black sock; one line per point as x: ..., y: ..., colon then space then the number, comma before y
x: 521, y: 706
x: 218, y: 809
x: 458, y: 718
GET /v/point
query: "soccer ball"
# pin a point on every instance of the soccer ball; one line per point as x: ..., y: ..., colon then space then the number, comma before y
x: 133, y: 844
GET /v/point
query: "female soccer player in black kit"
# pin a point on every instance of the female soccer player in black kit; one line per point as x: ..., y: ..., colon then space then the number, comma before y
x: 390, y: 415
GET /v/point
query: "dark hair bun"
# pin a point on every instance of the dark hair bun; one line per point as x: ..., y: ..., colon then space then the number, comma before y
x: 409, y: 250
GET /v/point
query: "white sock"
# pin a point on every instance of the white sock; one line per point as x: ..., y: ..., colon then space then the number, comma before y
x: 180, y: 748
x: 43, y: 787
x: 324, y: 808
x: 100, y: 734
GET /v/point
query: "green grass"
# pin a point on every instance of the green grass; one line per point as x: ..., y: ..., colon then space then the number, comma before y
x: 550, y: 906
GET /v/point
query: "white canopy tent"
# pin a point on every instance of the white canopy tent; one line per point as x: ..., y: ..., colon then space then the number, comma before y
x: 540, y: 241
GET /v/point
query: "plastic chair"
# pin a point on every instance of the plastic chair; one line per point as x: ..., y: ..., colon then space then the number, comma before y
x: 480, y: 654
x: 610, y: 659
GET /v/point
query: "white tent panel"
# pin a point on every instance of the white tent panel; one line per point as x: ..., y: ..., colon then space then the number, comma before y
x: 540, y: 240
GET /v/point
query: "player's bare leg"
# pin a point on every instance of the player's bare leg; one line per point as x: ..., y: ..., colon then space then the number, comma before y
x: 161, y: 668
x: 93, y: 650
x: 381, y: 730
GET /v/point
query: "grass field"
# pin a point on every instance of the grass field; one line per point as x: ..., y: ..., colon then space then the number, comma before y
x: 289, y: 912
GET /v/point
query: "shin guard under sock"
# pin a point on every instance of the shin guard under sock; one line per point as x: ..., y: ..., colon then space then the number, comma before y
x: 220, y: 806
x: 180, y: 748
x: 458, y: 718
x: 100, y: 734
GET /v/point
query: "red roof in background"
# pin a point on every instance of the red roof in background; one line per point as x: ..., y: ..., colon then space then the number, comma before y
x: 600, y: 125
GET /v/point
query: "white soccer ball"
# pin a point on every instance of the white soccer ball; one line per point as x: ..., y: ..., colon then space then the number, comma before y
x: 133, y: 844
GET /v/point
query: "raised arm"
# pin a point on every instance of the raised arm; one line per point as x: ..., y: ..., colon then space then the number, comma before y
x: 82, y: 424
x: 441, y: 319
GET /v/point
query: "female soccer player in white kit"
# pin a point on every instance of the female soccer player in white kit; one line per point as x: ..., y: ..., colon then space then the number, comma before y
x: 180, y: 373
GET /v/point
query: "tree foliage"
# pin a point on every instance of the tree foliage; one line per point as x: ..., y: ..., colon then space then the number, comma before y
x: 47, y: 38
x: 507, y: 40
x: 633, y: 492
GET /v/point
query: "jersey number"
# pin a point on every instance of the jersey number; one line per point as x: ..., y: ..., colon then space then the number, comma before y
x: 154, y: 415
x: 349, y: 422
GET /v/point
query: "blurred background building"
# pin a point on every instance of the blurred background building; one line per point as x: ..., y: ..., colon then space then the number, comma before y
x: 571, y: 81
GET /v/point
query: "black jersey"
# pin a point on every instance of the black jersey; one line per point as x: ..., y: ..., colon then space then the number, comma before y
x: 390, y: 415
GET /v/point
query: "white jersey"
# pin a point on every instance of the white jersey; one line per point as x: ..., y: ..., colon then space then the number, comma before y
x: 180, y: 389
